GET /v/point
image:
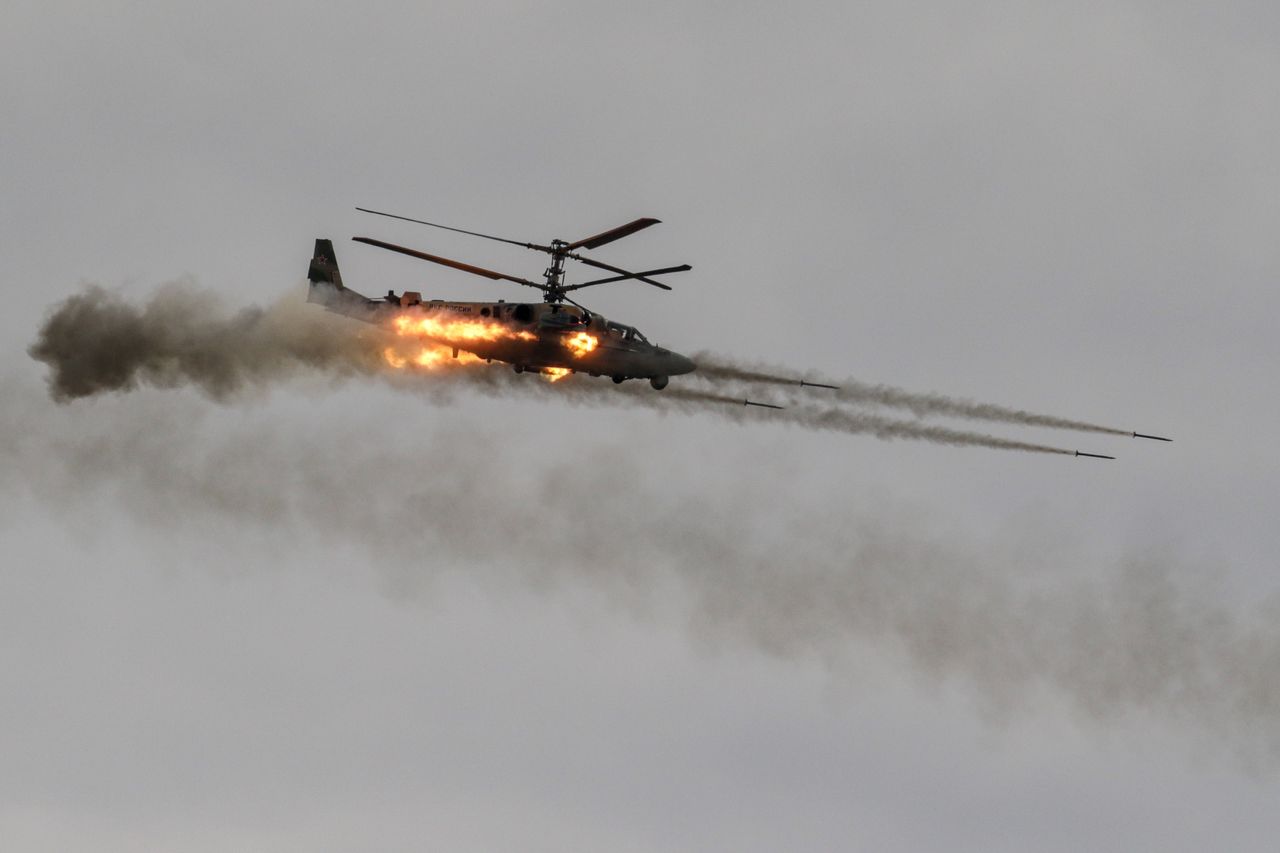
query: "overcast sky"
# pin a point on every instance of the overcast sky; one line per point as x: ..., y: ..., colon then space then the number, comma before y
x: 337, y: 614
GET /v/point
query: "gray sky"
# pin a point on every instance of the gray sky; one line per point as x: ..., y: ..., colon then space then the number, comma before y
x: 342, y: 615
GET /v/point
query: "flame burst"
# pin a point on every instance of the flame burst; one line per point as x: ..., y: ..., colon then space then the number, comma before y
x: 458, y: 331
x: 441, y: 341
x: 581, y: 344
x: 429, y: 355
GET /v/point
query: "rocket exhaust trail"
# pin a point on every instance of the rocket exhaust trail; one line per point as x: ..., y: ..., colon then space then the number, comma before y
x: 839, y: 420
x: 830, y: 419
x: 716, y: 369
x: 705, y: 397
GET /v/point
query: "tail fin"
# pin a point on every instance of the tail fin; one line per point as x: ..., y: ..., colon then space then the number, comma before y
x: 327, y: 288
x: 324, y: 265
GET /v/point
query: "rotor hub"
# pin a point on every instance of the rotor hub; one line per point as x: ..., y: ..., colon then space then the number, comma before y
x: 554, y: 292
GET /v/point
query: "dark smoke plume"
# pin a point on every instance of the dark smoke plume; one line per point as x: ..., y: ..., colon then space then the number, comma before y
x: 95, y: 342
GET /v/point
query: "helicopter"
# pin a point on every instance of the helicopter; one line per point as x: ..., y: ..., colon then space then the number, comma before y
x: 557, y: 337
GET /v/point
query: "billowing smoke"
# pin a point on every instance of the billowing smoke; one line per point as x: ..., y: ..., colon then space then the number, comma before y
x: 803, y: 578
x: 95, y: 342
x: 718, y: 369
x: 1133, y: 642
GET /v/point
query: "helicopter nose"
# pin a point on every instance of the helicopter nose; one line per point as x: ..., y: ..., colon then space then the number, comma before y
x: 681, y: 364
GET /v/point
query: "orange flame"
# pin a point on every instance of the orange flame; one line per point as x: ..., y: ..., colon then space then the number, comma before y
x: 429, y: 355
x: 440, y: 338
x: 458, y: 331
x: 581, y: 344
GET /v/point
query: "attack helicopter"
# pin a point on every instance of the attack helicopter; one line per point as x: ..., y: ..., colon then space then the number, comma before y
x: 557, y: 336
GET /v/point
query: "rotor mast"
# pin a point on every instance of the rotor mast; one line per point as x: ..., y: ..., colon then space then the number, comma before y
x: 554, y: 291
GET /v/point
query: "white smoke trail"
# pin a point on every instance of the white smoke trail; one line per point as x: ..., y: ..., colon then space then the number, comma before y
x: 720, y: 370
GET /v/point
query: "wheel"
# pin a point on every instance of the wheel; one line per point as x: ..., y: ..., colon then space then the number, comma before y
x: 659, y: 382
x: 618, y: 380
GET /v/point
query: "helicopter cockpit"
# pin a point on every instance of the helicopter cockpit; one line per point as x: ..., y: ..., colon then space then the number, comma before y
x: 627, y: 333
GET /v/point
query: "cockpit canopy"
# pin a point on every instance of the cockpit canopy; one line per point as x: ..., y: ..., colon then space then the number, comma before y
x: 568, y: 317
x: 627, y: 333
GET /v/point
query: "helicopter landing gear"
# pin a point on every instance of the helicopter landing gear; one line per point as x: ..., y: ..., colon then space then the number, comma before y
x: 618, y: 380
x: 659, y: 382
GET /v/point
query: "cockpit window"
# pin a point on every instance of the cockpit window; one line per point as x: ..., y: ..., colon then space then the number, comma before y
x: 628, y: 333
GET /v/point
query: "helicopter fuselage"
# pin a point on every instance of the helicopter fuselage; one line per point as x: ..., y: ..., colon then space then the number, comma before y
x: 534, y: 337
x: 537, y: 336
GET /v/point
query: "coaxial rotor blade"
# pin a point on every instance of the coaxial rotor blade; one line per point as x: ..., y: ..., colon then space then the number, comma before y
x: 636, y: 275
x: 459, y: 230
x: 591, y: 262
x: 613, y: 234
x: 457, y: 265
